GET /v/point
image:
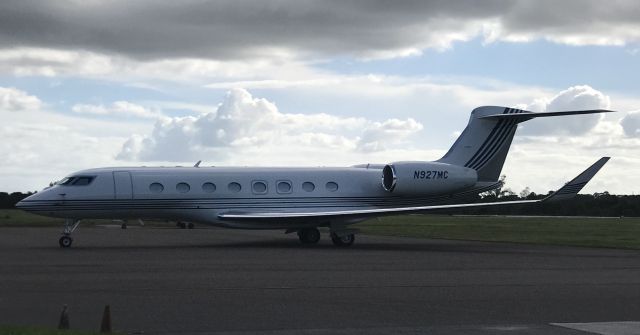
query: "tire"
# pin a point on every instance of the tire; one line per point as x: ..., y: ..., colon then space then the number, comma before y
x: 181, y: 225
x: 343, y: 241
x: 190, y: 225
x: 309, y: 235
x: 123, y: 226
x: 65, y: 241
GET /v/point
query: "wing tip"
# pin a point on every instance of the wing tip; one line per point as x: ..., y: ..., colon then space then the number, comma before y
x: 570, y: 189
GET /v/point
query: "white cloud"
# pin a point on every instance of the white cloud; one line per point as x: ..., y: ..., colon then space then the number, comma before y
x: 242, y: 122
x: 413, y: 122
x: 117, y: 109
x: 14, y: 100
x: 573, y: 98
x: 38, y: 146
x: 376, y: 136
x: 631, y: 124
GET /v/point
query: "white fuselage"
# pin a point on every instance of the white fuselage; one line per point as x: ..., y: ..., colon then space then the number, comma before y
x: 201, y: 194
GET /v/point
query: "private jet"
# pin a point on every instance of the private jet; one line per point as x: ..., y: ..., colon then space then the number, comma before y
x: 301, y: 199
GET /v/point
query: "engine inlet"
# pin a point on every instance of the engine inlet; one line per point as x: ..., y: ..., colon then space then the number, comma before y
x: 389, y: 178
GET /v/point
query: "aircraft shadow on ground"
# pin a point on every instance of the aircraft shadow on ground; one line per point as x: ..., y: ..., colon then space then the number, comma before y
x: 409, y: 246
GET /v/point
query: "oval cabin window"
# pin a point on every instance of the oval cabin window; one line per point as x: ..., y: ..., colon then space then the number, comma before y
x: 284, y: 187
x: 183, y: 187
x: 308, y: 186
x: 209, y: 187
x: 156, y: 188
x: 259, y: 187
x: 234, y: 187
x: 331, y: 186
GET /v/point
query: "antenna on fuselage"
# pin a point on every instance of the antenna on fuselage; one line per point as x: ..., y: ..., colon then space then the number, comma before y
x: 197, y: 164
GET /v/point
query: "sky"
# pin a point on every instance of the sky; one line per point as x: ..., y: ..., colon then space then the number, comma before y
x: 314, y: 83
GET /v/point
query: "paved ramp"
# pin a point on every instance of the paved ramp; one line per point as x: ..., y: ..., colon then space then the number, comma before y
x: 605, y: 328
x: 215, y: 281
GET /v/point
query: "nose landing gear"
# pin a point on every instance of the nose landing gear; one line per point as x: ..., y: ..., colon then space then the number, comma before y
x: 70, y: 225
x: 65, y: 241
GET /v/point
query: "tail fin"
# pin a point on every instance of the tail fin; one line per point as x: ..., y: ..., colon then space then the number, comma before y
x: 485, y: 142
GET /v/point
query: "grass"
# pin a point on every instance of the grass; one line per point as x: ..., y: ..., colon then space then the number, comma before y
x: 19, y: 218
x: 21, y: 330
x: 588, y: 232
x: 575, y: 231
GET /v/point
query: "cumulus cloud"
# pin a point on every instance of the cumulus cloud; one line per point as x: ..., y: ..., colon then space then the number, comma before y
x: 378, y: 134
x: 13, y: 100
x: 573, y: 98
x: 243, y: 29
x: 631, y: 124
x: 118, y: 109
x: 242, y: 121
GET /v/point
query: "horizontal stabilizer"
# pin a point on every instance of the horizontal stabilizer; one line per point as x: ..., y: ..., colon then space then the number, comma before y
x: 570, y: 189
x: 522, y: 115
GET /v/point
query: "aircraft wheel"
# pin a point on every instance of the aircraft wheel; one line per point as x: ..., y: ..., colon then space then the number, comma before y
x: 65, y: 241
x: 181, y: 225
x: 123, y: 226
x: 190, y: 225
x: 343, y: 241
x: 309, y: 235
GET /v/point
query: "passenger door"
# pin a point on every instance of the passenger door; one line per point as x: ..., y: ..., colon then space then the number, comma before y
x: 122, y: 185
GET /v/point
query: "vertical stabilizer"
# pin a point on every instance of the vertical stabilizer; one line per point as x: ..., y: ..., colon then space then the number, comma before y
x: 485, y: 142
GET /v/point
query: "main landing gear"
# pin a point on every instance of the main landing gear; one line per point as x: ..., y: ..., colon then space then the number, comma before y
x: 70, y: 225
x: 343, y: 238
x: 185, y: 225
x: 309, y: 235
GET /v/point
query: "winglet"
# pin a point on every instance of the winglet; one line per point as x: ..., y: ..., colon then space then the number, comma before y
x: 570, y: 189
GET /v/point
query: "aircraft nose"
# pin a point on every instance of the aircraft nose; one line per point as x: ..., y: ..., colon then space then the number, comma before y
x: 25, y: 203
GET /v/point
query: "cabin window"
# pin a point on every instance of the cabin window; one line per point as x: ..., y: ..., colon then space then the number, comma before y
x: 283, y: 186
x: 308, y: 186
x: 209, y: 187
x: 259, y: 187
x: 234, y: 187
x: 331, y: 186
x: 183, y: 187
x: 156, y: 188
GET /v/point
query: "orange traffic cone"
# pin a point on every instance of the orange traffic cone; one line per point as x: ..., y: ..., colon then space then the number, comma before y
x: 64, y: 319
x: 105, y: 327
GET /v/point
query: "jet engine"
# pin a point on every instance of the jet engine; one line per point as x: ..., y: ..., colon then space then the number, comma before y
x: 426, y: 178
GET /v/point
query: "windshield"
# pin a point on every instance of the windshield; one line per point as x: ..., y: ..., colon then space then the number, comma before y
x: 76, y: 181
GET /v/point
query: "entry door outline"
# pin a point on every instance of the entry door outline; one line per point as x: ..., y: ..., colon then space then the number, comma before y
x: 123, y: 187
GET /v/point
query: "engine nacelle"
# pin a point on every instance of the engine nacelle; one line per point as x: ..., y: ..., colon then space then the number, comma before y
x: 426, y: 178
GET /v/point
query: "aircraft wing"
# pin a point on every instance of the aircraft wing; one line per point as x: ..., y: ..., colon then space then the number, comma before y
x: 567, y: 191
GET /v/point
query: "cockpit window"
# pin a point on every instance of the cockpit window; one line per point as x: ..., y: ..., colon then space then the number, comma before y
x: 83, y: 180
x: 65, y: 181
x: 76, y: 181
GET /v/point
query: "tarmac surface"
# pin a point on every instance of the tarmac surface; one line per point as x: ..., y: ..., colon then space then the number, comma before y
x: 210, y: 281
